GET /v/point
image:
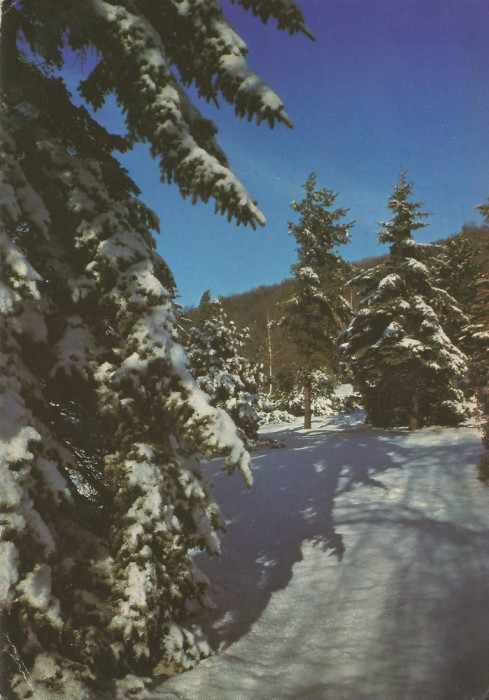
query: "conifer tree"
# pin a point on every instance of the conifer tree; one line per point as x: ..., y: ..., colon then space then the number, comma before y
x: 404, y: 364
x: 231, y: 381
x: 479, y: 327
x: 101, y: 424
x: 478, y: 333
x: 455, y: 271
x: 317, y: 312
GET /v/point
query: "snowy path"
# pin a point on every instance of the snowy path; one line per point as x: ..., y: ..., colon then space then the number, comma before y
x: 357, y: 568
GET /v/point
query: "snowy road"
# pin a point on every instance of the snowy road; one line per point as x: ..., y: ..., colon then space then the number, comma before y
x: 357, y: 568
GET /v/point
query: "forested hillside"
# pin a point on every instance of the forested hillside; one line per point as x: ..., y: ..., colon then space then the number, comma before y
x: 258, y: 307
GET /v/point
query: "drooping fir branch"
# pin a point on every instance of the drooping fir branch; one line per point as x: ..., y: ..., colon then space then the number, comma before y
x: 140, y: 50
x: 289, y: 16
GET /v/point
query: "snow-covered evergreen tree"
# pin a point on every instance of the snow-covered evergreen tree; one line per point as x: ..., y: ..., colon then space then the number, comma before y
x: 101, y: 424
x: 232, y: 382
x: 405, y: 366
x: 317, y: 311
x: 478, y: 333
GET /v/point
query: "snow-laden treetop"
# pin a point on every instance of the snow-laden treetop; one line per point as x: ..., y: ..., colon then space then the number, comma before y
x: 406, y: 219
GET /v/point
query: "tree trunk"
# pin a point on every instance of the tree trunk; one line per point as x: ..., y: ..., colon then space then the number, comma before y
x: 307, y: 406
x: 270, y: 355
x: 414, y: 416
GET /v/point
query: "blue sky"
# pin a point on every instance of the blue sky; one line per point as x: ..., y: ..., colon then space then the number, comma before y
x: 388, y: 84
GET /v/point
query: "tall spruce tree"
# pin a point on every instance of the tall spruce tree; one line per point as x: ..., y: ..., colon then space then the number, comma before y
x: 405, y: 365
x: 101, y: 424
x: 317, y: 312
x: 232, y: 382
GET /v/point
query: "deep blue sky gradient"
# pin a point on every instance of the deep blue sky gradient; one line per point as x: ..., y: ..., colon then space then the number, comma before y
x: 388, y: 84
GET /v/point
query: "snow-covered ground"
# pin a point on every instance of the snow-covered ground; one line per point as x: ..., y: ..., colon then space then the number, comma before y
x: 357, y: 568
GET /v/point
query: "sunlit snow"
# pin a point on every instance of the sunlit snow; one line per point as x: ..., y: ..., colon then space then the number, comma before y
x: 357, y: 567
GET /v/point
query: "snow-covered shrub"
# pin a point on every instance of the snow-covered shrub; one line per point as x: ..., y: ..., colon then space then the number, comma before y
x: 269, y: 414
x: 346, y: 399
x: 323, y: 401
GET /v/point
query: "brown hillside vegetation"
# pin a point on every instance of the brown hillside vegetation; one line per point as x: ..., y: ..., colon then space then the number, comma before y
x: 478, y: 237
x: 257, y: 310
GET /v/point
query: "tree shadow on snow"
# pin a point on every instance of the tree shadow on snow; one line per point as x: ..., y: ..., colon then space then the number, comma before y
x: 292, y: 500
x: 391, y: 506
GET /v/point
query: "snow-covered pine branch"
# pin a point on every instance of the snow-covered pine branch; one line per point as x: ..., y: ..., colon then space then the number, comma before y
x: 146, y: 54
